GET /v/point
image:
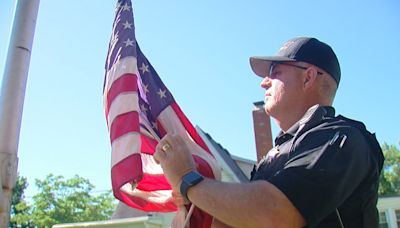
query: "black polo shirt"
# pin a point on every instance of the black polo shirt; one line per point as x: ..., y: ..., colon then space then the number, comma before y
x: 326, y: 165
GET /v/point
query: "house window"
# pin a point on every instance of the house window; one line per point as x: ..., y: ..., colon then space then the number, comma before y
x: 397, y: 211
x: 383, y: 223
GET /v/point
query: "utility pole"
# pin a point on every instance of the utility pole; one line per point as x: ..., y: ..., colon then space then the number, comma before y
x: 12, y: 98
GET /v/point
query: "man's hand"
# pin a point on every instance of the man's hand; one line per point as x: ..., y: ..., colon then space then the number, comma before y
x: 173, y: 153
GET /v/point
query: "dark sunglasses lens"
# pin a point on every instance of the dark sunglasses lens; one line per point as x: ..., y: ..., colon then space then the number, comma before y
x: 271, y: 68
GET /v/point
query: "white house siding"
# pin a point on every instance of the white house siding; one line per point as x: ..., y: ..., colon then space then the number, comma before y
x: 389, y: 212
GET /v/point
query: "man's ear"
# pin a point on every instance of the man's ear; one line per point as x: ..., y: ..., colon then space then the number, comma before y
x: 310, y: 78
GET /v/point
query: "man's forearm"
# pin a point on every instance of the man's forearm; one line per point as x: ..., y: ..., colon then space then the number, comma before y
x: 254, y: 204
x: 244, y: 205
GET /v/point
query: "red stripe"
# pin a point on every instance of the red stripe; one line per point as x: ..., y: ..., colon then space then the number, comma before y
x: 126, y: 83
x: 160, y: 128
x: 127, y: 170
x: 141, y: 204
x: 203, y: 167
x: 189, y: 127
x: 148, y: 145
x: 199, y: 218
x: 153, y: 183
x: 125, y: 123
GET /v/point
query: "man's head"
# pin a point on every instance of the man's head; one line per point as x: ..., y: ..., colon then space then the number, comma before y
x: 303, y: 73
x: 300, y: 49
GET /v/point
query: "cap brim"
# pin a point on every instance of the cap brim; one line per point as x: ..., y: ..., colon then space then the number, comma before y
x: 261, y: 64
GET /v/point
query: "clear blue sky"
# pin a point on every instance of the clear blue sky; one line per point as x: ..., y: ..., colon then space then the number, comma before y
x: 200, y: 49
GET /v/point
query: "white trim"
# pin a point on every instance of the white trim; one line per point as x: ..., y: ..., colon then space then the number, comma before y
x: 236, y: 158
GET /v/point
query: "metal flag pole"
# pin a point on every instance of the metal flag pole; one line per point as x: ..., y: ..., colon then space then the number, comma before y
x: 12, y: 98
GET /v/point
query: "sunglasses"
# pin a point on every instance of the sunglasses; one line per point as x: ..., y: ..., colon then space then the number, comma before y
x: 274, y: 64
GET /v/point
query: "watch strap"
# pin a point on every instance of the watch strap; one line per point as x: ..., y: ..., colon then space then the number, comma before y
x: 189, y: 180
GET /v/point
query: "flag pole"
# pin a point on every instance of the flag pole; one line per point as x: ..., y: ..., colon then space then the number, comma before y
x: 12, y: 98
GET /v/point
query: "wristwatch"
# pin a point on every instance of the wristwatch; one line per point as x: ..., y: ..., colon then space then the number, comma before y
x: 189, y: 180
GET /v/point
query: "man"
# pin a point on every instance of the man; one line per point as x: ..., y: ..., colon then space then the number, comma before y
x: 323, y: 170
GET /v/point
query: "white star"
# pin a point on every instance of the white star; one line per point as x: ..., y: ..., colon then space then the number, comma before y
x: 128, y: 42
x: 143, y: 108
x: 154, y: 125
x: 144, y: 68
x: 126, y: 7
x: 127, y: 25
x: 146, y: 88
x: 161, y: 93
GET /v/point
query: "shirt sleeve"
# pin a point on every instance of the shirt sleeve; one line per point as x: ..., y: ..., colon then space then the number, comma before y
x: 327, y: 167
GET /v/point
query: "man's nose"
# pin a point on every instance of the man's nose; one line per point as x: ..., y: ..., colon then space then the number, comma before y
x: 266, y: 83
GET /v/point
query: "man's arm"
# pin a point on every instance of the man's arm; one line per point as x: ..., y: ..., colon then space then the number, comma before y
x: 256, y: 204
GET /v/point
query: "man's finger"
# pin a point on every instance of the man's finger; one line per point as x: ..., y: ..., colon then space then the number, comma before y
x: 159, y: 155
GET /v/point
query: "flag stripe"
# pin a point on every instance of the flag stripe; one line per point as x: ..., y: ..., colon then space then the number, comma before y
x: 159, y: 196
x: 127, y: 65
x: 146, y: 199
x: 185, y: 121
x: 150, y: 166
x: 124, y: 103
x: 125, y: 83
x: 124, y: 123
x: 148, y: 145
x: 124, y: 147
x: 153, y: 183
x: 124, y: 172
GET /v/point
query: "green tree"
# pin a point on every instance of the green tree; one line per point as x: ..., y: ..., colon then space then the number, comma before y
x: 390, y: 176
x: 19, y: 208
x: 67, y: 201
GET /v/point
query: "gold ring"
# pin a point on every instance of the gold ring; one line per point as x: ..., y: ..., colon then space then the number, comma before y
x: 166, y: 147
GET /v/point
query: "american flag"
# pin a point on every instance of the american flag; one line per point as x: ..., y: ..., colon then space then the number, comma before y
x: 140, y: 110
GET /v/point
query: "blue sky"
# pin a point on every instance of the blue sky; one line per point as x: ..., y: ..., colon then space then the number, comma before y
x: 200, y: 50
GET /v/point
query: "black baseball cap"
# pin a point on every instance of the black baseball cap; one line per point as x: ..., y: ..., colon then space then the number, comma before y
x: 303, y: 49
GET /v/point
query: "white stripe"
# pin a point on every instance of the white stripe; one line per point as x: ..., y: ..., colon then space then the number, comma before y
x: 123, y: 103
x: 125, y: 146
x: 121, y: 67
x: 149, y: 165
x: 171, y: 123
x: 159, y: 196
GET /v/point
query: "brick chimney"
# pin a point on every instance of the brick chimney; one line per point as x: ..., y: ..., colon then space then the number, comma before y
x: 262, y: 130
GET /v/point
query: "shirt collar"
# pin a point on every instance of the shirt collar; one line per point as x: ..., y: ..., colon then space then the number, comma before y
x: 313, y: 116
